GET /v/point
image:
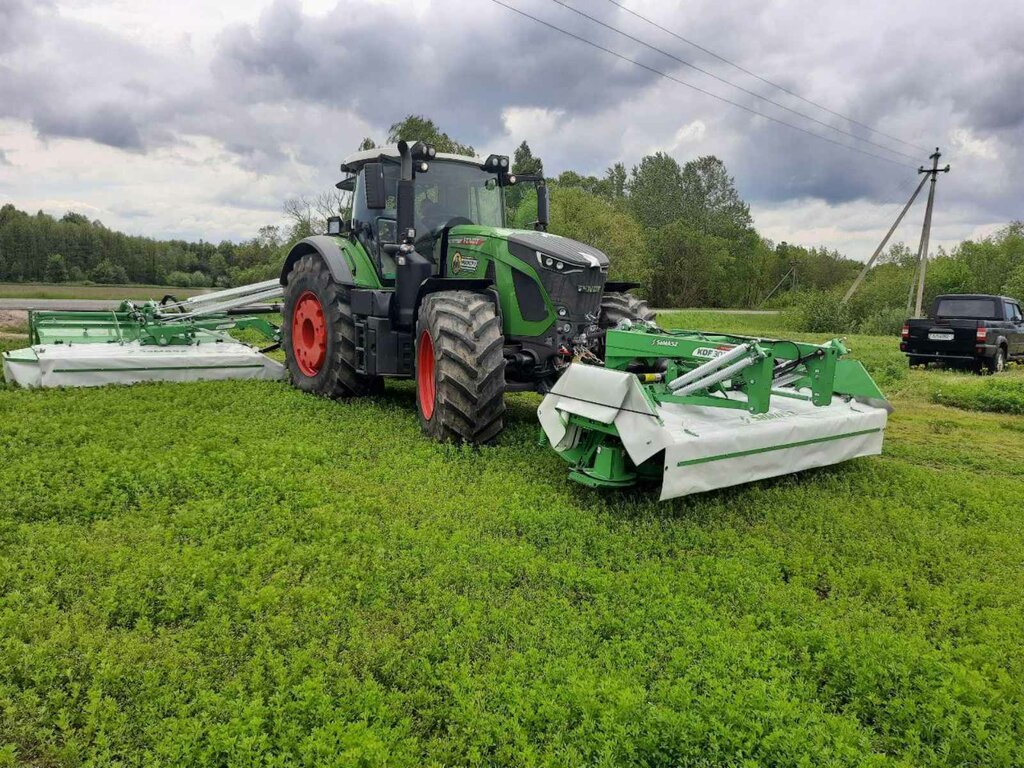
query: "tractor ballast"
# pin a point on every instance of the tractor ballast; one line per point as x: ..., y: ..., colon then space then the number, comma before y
x: 168, y: 340
x: 700, y: 411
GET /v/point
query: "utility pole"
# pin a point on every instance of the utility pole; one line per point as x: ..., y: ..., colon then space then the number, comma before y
x: 881, y: 245
x: 926, y: 230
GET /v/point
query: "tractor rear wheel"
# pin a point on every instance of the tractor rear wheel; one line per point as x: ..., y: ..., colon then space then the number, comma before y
x: 460, y: 368
x: 318, y: 334
x: 618, y: 306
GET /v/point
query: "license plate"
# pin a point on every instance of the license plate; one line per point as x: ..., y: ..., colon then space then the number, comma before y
x: 940, y: 336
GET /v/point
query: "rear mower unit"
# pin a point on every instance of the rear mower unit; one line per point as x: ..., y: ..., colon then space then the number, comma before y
x: 700, y: 411
x: 149, y: 341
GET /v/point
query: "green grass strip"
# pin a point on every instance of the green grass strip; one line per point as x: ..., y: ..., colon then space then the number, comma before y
x: 723, y: 456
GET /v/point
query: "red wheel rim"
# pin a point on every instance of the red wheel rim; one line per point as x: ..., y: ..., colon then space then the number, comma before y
x: 309, y: 334
x: 425, y: 375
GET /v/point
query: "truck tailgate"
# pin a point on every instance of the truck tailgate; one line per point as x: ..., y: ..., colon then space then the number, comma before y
x: 952, y: 338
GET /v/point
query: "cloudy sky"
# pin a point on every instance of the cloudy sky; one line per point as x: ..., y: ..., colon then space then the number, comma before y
x: 196, y: 118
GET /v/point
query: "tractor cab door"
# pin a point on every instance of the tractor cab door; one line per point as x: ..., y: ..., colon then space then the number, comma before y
x: 375, y: 227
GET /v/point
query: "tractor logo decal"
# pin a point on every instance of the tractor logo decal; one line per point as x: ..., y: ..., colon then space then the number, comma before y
x: 467, y: 241
x: 462, y: 264
x: 664, y: 343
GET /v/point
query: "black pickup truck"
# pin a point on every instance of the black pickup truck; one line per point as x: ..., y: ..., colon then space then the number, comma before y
x: 970, y: 330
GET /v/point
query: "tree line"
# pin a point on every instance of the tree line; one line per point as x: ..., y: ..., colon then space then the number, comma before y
x: 680, y: 230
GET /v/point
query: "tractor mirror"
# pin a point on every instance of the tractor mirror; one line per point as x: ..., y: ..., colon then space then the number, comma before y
x: 543, y: 207
x: 373, y: 184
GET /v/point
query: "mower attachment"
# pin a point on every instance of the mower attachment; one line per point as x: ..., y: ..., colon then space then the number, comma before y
x: 702, y: 411
x: 166, y: 341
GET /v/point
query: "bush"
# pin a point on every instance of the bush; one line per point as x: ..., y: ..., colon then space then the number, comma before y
x: 883, y: 322
x: 180, y: 279
x: 108, y: 273
x: 820, y: 312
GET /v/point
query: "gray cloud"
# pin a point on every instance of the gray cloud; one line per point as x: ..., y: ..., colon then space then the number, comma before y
x: 287, y: 96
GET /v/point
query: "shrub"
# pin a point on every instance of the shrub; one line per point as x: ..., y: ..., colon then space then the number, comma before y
x: 883, y: 322
x: 820, y: 312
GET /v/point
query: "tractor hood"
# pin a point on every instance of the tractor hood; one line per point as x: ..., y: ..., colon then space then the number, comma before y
x: 570, y: 251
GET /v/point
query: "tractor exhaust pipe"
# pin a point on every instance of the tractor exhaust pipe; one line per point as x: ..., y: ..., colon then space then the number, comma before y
x: 412, y: 268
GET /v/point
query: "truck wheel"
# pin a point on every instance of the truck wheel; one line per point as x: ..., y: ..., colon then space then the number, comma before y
x: 318, y: 334
x: 997, y: 363
x: 616, y: 306
x: 460, y: 368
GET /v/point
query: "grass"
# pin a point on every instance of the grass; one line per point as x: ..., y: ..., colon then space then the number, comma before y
x: 77, y: 291
x: 237, y: 574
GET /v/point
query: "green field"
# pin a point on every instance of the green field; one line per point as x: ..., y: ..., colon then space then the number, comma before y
x: 240, y: 575
x: 78, y: 291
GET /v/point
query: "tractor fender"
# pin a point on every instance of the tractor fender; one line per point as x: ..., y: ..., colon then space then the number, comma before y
x: 481, y: 285
x: 329, y: 249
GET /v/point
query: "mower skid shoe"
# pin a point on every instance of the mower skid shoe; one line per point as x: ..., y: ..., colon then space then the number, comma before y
x: 706, y: 448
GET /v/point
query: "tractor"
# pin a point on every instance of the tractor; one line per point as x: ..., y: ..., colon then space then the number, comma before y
x: 426, y: 281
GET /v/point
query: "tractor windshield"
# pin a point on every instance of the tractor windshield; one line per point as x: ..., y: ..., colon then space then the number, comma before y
x: 452, y: 190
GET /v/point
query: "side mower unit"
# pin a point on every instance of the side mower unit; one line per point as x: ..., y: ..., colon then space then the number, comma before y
x: 150, y: 341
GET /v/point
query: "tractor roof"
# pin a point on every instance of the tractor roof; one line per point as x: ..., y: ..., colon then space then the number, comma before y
x: 354, y: 162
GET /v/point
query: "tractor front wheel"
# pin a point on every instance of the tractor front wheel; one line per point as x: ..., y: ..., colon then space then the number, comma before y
x: 460, y: 368
x: 318, y: 334
x: 616, y: 307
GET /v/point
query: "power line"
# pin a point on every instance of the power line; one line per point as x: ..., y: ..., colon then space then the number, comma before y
x: 698, y: 88
x: 732, y: 84
x: 765, y: 80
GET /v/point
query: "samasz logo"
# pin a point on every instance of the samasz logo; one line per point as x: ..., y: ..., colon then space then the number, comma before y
x: 664, y: 343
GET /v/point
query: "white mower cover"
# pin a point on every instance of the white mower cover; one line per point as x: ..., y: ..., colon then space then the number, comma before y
x: 93, y: 365
x: 707, y: 447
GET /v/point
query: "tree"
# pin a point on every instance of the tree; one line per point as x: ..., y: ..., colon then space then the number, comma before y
x: 711, y: 202
x: 309, y: 214
x: 367, y: 143
x: 74, y: 218
x: 617, y: 181
x: 524, y: 162
x: 691, y: 267
x: 56, y: 269
x: 109, y: 273
x: 656, y: 191
x: 420, y: 128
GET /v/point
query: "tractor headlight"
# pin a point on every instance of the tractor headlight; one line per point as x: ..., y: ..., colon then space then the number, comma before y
x: 556, y: 264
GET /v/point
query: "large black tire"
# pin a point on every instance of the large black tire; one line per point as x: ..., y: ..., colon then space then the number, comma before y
x: 460, y: 368
x: 323, y: 363
x: 616, y: 307
x: 996, y: 363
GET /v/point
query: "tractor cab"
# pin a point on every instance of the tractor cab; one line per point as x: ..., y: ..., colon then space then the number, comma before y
x: 449, y: 190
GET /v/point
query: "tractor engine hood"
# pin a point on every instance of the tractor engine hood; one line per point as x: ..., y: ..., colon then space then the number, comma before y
x: 571, y: 252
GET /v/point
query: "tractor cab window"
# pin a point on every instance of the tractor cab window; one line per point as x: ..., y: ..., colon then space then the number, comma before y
x: 456, y: 191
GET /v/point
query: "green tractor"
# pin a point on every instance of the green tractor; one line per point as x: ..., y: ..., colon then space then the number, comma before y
x: 427, y: 281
